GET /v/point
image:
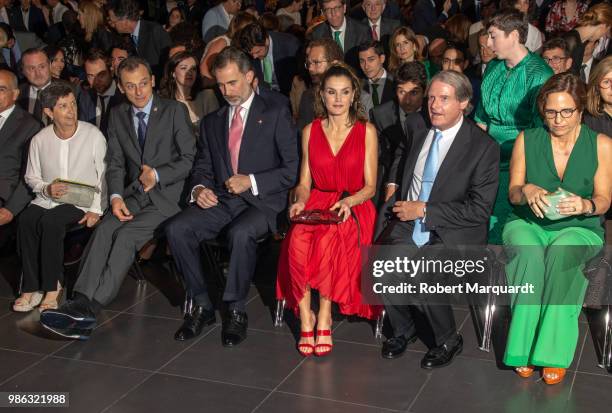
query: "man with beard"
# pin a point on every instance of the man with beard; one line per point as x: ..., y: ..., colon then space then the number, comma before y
x: 242, y: 193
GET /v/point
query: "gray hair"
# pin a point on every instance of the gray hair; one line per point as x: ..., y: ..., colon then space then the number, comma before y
x: 12, y: 76
x: 232, y: 54
x: 461, y: 83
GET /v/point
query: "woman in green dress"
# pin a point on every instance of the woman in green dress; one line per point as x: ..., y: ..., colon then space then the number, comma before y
x: 508, y: 93
x: 549, y: 245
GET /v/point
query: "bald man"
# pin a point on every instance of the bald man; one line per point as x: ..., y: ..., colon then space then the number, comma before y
x: 16, y: 129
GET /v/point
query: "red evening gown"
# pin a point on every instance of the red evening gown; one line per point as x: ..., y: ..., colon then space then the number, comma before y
x: 327, y: 257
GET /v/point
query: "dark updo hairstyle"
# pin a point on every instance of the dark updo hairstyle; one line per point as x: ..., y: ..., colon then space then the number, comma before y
x: 356, y: 110
x: 563, y: 83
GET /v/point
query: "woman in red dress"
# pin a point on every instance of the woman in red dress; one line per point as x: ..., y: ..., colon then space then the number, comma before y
x: 340, y: 152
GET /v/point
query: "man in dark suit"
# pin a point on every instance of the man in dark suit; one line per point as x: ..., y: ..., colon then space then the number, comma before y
x: 448, y: 189
x: 390, y: 121
x: 150, y: 39
x: 381, y: 27
x: 103, y: 94
x: 428, y: 14
x: 246, y: 164
x: 151, y: 146
x: 16, y: 129
x: 37, y: 70
x: 26, y: 17
x: 378, y: 83
x: 347, y: 32
x: 274, y: 55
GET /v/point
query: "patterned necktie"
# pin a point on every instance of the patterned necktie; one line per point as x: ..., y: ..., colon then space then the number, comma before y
x: 142, y: 129
x: 337, y: 39
x: 235, y: 137
x: 267, y: 70
x: 375, y: 100
x: 420, y: 236
x: 374, y: 33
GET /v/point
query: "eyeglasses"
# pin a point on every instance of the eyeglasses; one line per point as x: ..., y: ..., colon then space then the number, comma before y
x: 554, y: 60
x: 565, y: 113
x: 446, y: 61
x: 605, y: 83
x: 334, y: 10
x: 317, y: 63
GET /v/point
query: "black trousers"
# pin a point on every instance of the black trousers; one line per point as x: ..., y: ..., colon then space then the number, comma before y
x: 40, y: 242
x: 244, y: 223
x: 440, y: 317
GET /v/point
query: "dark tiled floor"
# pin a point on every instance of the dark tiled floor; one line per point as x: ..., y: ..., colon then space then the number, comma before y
x: 132, y: 364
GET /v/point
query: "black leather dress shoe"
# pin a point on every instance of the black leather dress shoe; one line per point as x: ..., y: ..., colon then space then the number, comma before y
x: 443, y: 355
x: 396, y: 346
x: 194, y: 323
x: 234, y: 329
x: 73, y: 314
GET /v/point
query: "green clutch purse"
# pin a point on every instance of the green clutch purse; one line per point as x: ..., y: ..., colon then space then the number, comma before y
x: 554, y: 198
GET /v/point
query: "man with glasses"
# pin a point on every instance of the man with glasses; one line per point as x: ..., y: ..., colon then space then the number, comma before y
x: 556, y: 53
x: 150, y: 39
x: 216, y: 20
x: 381, y: 28
x: 320, y: 55
x: 346, y: 32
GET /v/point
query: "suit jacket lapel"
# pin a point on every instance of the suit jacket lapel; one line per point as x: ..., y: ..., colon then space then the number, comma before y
x: 10, y: 125
x: 252, y: 127
x: 129, y: 125
x: 415, y: 148
x: 151, y: 136
x: 348, y: 36
x: 456, y: 152
x: 223, y: 136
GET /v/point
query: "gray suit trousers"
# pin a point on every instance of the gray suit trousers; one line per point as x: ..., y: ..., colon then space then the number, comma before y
x: 112, y: 249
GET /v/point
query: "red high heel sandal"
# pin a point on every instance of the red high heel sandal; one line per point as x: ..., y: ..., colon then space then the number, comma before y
x: 306, y: 346
x: 327, y: 348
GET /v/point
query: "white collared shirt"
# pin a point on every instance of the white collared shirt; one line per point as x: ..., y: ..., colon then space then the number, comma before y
x: 110, y: 92
x: 26, y: 17
x: 342, y: 30
x: 587, y: 69
x: 377, y: 23
x: 381, y: 83
x: 58, y: 12
x: 4, y: 115
x: 32, y: 100
x: 448, y: 137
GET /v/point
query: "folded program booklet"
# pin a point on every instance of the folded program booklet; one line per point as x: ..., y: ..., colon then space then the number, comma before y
x: 78, y: 194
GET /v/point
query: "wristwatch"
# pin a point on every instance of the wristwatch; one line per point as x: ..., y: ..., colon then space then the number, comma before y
x: 593, y: 208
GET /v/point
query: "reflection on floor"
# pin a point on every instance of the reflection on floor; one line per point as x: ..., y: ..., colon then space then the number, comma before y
x: 132, y: 363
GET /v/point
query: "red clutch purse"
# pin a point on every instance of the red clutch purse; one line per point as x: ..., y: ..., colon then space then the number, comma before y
x: 317, y: 217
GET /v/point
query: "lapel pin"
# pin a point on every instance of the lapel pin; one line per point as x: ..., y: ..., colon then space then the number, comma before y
x: 260, y: 121
x: 155, y: 109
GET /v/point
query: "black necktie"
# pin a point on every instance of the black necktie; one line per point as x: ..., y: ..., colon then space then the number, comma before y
x: 375, y: 100
x: 142, y: 129
x: 583, y: 73
x: 38, y: 112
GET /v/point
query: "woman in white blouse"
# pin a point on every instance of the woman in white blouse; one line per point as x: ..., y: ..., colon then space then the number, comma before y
x: 68, y: 150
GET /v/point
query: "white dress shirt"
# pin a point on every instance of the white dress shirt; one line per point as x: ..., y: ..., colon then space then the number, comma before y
x: 58, y: 11
x: 448, y: 137
x: 377, y: 23
x: 79, y: 158
x: 342, y: 30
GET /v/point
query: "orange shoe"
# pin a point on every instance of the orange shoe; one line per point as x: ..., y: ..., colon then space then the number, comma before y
x: 524, y: 372
x: 326, y: 348
x: 553, y: 375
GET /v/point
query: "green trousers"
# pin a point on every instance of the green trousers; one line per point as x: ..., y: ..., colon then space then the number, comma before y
x: 544, y: 326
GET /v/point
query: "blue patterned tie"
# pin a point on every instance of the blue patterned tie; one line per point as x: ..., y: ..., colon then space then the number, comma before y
x: 420, y: 236
x: 142, y: 129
